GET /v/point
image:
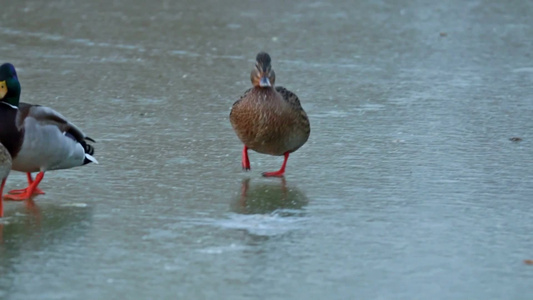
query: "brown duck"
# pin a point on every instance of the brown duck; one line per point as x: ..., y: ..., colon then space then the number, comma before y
x: 269, y: 119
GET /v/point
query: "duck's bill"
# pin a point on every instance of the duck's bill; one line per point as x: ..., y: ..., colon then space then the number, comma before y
x: 3, y: 89
x: 264, y: 82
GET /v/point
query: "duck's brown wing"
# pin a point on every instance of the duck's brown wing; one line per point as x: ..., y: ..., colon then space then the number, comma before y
x: 294, y: 102
x: 290, y: 97
x: 238, y: 101
x: 47, y: 116
x: 243, y: 96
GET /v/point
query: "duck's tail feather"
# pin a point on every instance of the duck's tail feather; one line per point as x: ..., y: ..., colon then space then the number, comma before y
x: 89, y: 151
x: 89, y: 159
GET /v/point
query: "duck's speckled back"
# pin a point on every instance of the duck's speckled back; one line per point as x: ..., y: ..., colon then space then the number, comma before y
x: 5, y: 162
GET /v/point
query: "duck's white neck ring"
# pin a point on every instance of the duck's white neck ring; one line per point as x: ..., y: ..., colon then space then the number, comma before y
x: 12, y: 106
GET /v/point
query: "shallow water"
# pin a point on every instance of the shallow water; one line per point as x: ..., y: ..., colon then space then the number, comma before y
x: 408, y: 188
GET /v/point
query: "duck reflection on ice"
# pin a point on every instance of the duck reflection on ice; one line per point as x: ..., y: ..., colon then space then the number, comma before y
x: 42, y: 225
x: 29, y: 231
x: 269, y: 197
x: 33, y: 220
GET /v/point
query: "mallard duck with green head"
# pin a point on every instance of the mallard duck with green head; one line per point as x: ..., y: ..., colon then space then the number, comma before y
x: 38, y: 138
x: 269, y: 119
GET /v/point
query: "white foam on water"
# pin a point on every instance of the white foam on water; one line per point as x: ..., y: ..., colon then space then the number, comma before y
x: 74, y: 205
x: 523, y: 70
x: 371, y: 107
x: 184, y: 53
x: 264, y: 225
x: 40, y: 35
x: 234, y: 26
x: 223, y: 249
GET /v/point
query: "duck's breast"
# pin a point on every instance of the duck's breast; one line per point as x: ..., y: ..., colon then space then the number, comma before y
x: 265, y: 122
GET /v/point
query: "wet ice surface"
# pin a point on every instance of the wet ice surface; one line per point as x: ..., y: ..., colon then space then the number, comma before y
x: 408, y: 188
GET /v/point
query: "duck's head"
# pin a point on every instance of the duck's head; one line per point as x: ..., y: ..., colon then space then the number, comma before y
x: 9, y: 84
x: 262, y: 74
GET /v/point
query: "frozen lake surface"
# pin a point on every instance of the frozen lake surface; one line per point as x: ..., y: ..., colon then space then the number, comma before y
x: 408, y: 188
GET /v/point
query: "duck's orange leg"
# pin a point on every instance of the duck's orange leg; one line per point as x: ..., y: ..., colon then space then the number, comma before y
x: 245, y: 159
x: 30, y: 190
x: 281, y: 171
x: 1, y: 200
x: 37, y: 191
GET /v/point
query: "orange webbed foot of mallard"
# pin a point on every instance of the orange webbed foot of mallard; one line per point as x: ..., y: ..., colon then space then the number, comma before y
x: 27, y: 192
x: 274, y: 174
x: 37, y: 191
x: 17, y: 197
x: 281, y: 171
